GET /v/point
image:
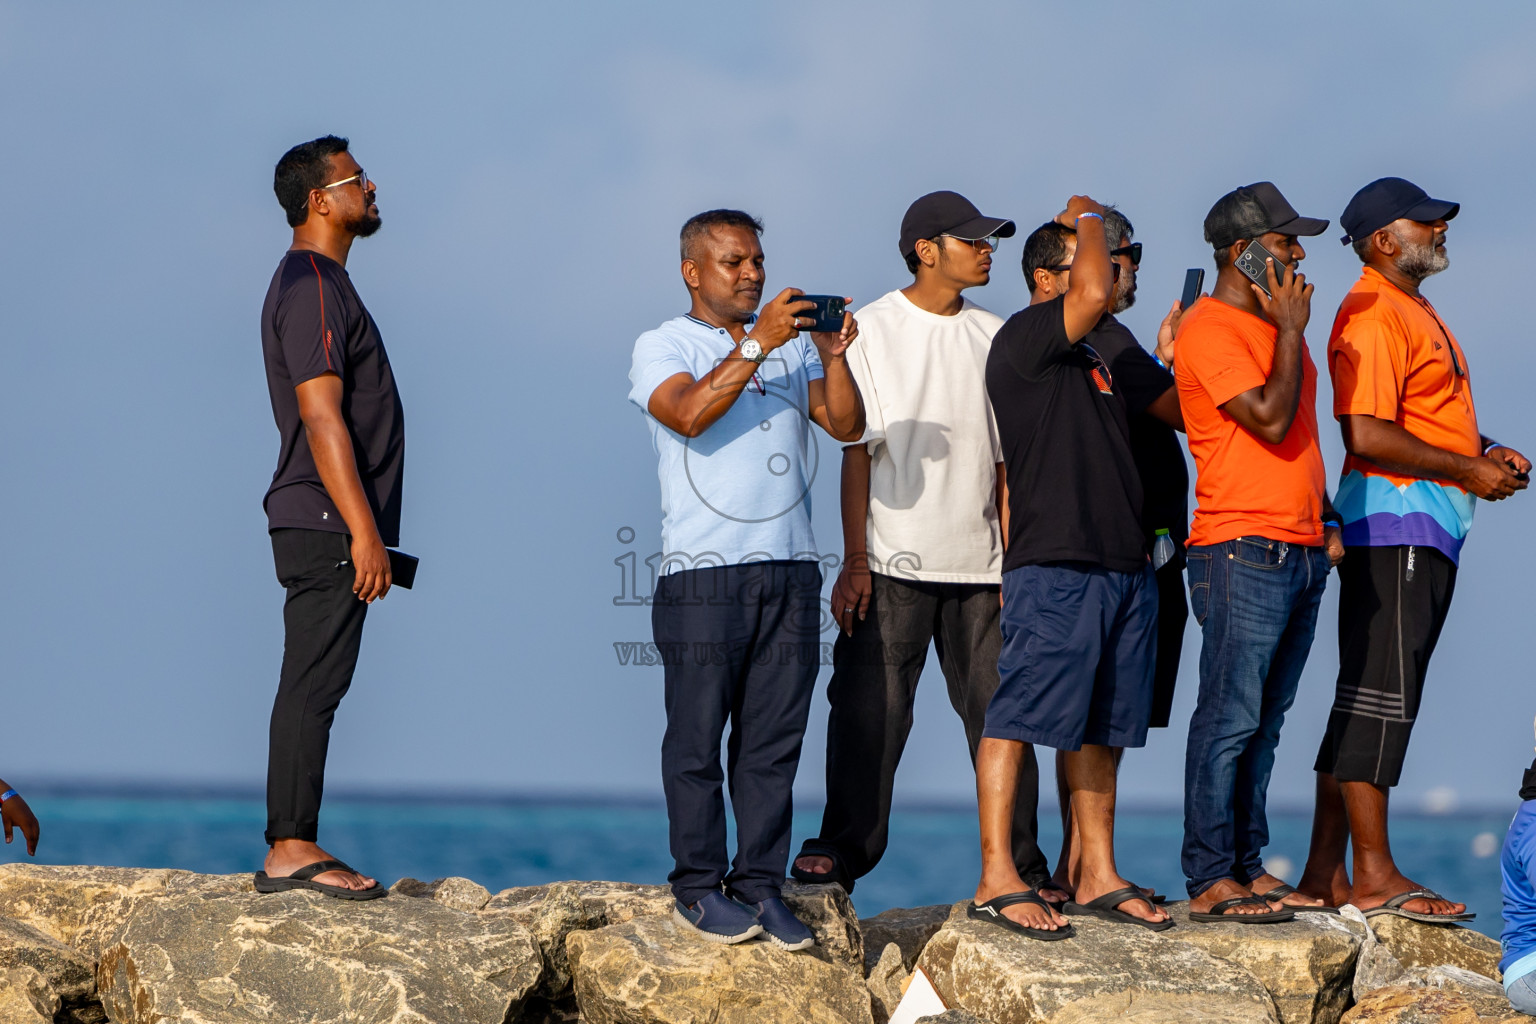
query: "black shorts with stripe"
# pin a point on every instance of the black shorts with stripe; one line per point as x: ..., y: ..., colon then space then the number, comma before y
x: 1392, y: 605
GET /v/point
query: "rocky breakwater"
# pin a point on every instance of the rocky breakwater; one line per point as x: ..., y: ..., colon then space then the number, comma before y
x: 92, y: 945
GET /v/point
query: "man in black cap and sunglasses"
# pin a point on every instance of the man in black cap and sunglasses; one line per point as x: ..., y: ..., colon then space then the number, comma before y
x: 1417, y: 462
x: 923, y: 552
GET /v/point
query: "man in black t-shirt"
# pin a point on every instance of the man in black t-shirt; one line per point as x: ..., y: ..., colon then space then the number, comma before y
x: 334, y: 502
x: 1152, y: 405
x: 1079, y: 598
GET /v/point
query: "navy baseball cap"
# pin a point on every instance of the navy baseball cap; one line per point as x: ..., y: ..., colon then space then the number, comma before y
x: 1252, y: 210
x: 948, y: 213
x: 1388, y: 199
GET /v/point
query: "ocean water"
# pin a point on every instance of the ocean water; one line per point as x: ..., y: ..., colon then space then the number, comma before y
x: 501, y: 843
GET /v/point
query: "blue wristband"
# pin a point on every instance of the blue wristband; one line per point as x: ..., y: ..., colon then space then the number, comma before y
x: 1333, y: 523
x: 1490, y: 446
x: 7, y: 795
x: 1082, y: 215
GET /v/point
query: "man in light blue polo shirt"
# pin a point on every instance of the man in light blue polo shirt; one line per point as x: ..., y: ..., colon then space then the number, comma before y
x: 729, y: 393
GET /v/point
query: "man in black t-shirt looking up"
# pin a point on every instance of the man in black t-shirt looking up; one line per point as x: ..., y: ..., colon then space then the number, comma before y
x: 334, y: 502
x: 1079, y: 599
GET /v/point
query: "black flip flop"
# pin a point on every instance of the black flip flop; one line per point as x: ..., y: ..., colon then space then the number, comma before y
x: 304, y: 879
x: 1394, y: 908
x: 992, y: 911
x: 1282, y: 890
x: 1106, y: 908
x: 839, y: 875
x: 1219, y: 912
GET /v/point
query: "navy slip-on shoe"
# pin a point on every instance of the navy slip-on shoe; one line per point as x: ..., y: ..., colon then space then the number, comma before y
x: 717, y: 919
x: 780, y: 924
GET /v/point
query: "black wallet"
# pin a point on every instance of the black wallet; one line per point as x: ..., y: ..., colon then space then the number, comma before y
x: 402, y: 568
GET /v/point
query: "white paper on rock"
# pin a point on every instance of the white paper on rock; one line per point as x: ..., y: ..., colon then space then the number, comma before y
x: 922, y: 1000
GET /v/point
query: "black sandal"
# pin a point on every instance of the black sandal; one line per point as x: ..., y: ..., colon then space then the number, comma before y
x: 839, y: 875
x: 304, y: 879
x: 992, y: 911
x: 1106, y: 908
x: 1219, y: 912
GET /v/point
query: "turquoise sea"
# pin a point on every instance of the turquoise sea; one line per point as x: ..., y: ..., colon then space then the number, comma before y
x: 502, y: 842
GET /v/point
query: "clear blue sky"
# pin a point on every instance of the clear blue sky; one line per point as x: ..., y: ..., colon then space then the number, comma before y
x: 534, y: 164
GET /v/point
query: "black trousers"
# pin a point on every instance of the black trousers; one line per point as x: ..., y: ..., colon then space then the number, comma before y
x: 322, y: 631
x: 739, y: 646
x: 1172, y: 614
x: 873, y: 687
x: 1392, y: 605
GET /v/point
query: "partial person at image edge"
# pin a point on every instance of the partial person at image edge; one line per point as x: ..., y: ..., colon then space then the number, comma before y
x: 1517, y: 868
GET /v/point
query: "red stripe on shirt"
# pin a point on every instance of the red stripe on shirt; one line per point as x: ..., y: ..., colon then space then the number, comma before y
x: 325, y: 333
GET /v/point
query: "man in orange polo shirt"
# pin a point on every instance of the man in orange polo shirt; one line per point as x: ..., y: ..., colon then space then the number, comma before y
x: 1258, y: 551
x: 1402, y: 394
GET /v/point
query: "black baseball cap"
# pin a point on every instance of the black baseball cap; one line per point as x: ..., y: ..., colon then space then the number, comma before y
x: 1250, y: 211
x: 948, y: 213
x: 1388, y: 199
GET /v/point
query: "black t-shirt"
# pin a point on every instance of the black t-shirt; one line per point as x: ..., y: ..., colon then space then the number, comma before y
x: 1073, y: 491
x: 1155, y: 445
x: 313, y: 323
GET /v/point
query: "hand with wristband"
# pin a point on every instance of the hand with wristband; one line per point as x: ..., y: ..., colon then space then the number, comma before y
x: 16, y: 814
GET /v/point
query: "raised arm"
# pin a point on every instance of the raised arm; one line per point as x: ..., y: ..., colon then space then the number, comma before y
x: 331, y: 443
x: 1092, y: 282
x: 1268, y: 411
x: 15, y: 813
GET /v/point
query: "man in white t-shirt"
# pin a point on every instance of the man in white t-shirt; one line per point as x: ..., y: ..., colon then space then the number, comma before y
x: 922, y: 537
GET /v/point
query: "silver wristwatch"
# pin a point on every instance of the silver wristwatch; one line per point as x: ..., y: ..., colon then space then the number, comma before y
x: 752, y: 350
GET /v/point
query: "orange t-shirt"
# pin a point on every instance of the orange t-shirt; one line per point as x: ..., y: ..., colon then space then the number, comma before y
x: 1392, y: 357
x: 1245, y: 487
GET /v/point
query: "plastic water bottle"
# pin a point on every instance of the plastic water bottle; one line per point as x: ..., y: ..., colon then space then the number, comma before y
x: 1162, y: 550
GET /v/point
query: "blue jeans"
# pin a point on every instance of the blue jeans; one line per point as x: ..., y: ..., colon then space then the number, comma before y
x: 1522, y: 993
x: 1256, y: 602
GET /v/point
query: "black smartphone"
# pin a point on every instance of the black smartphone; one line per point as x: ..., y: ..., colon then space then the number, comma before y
x: 1194, y: 278
x: 828, y: 313
x: 1251, y: 262
x: 402, y: 568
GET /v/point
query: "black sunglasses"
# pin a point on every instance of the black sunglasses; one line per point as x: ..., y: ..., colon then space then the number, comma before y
x: 1133, y: 251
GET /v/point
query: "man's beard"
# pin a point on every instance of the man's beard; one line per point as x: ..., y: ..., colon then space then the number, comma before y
x: 1125, y: 295
x: 364, y: 224
x: 1418, y: 261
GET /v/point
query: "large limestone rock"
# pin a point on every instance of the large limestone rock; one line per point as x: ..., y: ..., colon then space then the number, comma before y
x: 910, y: 929
x: 42, y: 980
x: 1306, y: 964
x: 552, y: 912
x: 1429, y: 945
x: 458, y: 893
x: 952, y: 1017
x: 650, y: 971
x: 884, y: 982
x: 1399, y: 1004
x: 78, y: 906
x: 237, y: 958
x: 1106, y: 971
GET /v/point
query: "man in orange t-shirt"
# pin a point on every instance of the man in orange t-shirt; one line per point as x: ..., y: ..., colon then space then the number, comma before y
x: 1259, y: 551
x: 1402, y: 393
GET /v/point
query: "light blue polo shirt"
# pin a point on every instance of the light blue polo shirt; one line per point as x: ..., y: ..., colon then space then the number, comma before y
x: 739, y: 492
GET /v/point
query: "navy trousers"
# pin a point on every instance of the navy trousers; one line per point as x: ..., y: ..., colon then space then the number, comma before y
x: 740, y: 646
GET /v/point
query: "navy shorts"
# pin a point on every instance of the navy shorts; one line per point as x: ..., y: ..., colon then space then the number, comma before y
x: 1078, y: 659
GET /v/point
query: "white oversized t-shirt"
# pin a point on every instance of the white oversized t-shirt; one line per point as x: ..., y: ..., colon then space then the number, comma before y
x: 932, y: 441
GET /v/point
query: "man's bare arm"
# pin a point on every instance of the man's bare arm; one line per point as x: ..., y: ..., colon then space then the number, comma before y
x: 1268, y: 411
x: 850, y: 594
x: 1386, y: 444
x: 1167, y: 409
x: 331, y: 444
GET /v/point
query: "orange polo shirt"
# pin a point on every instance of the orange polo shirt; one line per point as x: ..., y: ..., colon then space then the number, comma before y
x: 1245, y: 487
